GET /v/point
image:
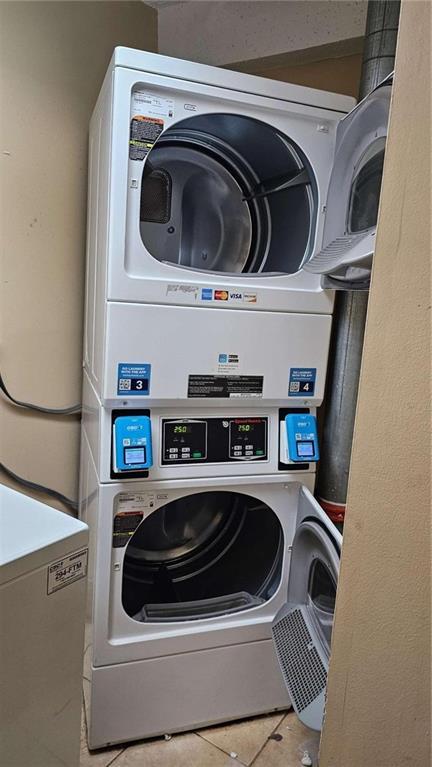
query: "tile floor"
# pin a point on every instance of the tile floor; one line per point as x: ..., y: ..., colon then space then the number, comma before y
x: 272, y: 740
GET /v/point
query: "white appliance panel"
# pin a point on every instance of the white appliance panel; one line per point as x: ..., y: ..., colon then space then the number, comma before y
x: 97, y: 426
x: 41, y: 632
x: 121, y: 262
x: 117, y: 638
x: 267, y: 345
x: 119, y: 708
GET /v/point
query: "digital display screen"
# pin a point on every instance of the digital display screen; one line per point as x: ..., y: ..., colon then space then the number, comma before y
x: 305, y: 449
x: 134, y: 455
x: 184, y: 441
x: 245, y: 427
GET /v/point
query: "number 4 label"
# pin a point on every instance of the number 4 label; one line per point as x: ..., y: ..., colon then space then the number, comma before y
x: 302, y: 382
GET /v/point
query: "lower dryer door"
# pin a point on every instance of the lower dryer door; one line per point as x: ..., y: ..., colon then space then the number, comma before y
x: 202, y: 555
x: 303, y: 626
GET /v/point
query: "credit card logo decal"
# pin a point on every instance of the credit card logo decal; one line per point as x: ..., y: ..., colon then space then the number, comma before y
x: 221, y: 295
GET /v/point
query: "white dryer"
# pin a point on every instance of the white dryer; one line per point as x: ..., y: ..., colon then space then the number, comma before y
x: 219, y: 189
x: 187, y: 578
x: 213, y: 190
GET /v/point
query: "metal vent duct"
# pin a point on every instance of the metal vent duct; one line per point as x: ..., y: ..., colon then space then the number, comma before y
x: 351, y: 307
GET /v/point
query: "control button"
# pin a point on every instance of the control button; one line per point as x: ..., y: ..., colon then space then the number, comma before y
x: 196, y: 454
x: 185, y: 449
x: 173, y: 450
x: 249, y: 452
x: 249, y: 447
x: 259, y: 452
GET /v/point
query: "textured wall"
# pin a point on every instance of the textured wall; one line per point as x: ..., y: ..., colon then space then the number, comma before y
x: 378, y: 708
x: 339, y: 75
x: 53, y: 59
x: 223, y: 32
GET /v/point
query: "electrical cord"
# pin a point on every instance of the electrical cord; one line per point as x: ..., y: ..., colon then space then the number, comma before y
x: 34, y: 486
x: 73, y: 410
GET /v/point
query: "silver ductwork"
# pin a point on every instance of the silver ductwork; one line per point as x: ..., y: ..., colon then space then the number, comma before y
x: 351, y: 307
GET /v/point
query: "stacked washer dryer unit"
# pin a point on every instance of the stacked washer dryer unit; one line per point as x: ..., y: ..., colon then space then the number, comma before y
x: 206, y: 341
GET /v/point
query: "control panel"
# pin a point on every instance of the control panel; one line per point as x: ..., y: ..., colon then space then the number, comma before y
x: 214, y: 440
x: 184, y: 440
x: 132, y: 447
x: 299, y: 438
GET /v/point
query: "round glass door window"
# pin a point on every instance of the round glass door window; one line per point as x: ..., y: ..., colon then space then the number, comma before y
x: 322, y: 598
x: 366, y: 188
x: 202, y: 555
x: 227, y: 193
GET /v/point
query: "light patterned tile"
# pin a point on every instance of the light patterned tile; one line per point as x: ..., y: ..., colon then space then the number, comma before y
x: 187, y: 750
x: 287, y: 745
x: 102, y: 757
x: 245, y: 738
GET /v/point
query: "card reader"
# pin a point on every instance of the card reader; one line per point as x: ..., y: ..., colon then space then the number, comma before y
x: 299, y: 439
x: 302, y: 437
x: 132, y: 445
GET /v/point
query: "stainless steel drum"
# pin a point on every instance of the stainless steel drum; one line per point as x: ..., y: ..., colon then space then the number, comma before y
x: 209, y: 225
x: 228, y: 194
x: 202, y: 555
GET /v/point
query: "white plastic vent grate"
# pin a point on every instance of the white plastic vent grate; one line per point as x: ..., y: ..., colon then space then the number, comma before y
x: 330, y: 256
x: 303, y: 670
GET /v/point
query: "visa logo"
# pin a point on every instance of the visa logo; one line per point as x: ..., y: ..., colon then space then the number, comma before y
x: 236, y: 296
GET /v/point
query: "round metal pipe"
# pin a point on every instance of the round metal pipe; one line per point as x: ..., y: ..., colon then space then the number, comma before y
x: 351, y: 307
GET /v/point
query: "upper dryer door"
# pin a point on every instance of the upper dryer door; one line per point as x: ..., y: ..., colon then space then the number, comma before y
x: 345, y: 261
x: 303, y: 626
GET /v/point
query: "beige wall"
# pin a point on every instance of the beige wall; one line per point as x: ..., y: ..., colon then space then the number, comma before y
x: 378, y: 708
x: 334, y: 67
x: 53, y: 59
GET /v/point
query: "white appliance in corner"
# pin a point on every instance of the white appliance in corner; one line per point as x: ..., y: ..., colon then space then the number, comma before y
x: 221, y: 208
x: 43, y: 567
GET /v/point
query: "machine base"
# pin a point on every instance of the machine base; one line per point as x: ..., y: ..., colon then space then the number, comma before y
x: 143, y: 699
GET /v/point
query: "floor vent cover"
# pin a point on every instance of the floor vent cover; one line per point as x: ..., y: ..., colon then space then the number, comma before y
x: 303, y: 670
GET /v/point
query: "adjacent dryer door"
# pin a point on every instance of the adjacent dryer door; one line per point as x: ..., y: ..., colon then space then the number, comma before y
x: 345, y: 260
x: 303, y: 626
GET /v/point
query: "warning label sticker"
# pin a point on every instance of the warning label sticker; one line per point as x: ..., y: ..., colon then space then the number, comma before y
x: 212, y: 386
x: 143, y: 133
x: 125, y: 524
x: 131, y: 508
x: 67, y: 570
x: 147, y: 122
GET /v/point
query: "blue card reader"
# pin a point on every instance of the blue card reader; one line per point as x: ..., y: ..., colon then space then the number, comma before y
x: 302, y: 437
x: 132, y: 444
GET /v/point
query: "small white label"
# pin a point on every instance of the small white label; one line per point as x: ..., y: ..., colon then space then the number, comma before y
x: 149, y: 104
x: 185, y: 290
x: 127, y: 502
x: 238, y: 394
x: 67, y: 570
